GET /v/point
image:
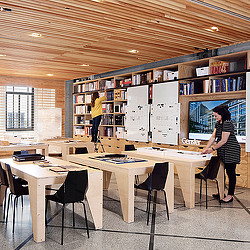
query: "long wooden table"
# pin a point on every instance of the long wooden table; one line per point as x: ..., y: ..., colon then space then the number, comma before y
x: 186, y: 172
x: 39, y: 177
x: 66, y: 145
x: 125, y: 176
x: 24, y: 146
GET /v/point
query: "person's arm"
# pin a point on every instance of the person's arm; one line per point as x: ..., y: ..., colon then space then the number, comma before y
x: 224, y: 138
x: 210, y: 142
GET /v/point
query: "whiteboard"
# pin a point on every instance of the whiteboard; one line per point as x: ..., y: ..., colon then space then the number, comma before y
x: 137, y: 114
x: 165, y: 113
x: 49, y: 123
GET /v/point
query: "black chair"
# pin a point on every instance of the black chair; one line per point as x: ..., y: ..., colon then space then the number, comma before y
x: 155, y: 182
x: 73, y: 190
x: 83, y: 150
x: 210, y: 172
x: 4, y: 183
x: 16, y: 189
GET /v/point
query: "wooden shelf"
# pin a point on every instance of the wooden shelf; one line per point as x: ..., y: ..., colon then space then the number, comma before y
x: 228, y: 93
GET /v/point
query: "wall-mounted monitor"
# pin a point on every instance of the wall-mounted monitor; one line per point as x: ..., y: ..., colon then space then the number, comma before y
x: 202, y: 122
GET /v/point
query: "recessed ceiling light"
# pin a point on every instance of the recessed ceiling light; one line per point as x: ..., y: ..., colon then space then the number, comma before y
x: 98, y: 1
x: 213, y: 29
x: 35, y: 35
x: 50, y: 74
x: 134, y: 51
x: 85, y: 65
x: 2, y: 55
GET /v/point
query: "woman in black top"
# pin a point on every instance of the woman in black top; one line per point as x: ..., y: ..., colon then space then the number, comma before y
x: 228, y: 148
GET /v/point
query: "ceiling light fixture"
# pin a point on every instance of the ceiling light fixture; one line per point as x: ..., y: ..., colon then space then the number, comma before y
x: 50, y: 74
x: 98, y: 1
x: 134, y: 51
x: 2, y: 55
x: 213, y: 29
x: 85, y: 65
x: 35, y: 35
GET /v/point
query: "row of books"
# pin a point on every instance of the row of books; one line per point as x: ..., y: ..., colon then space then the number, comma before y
x: 110, y: 95
x: 108, y: 132
x: 79, y: 88
x: 120, y: 133
x: 92, y: 86
x: 107, y: 120
x: 120, y: 94
x: 78, y: 99
x: 79, y: 109
x: 219, y: 67
x: 123, y: 83
x: 79, y: 130
x: 143, y: 78
x: 213, y: 85
x: 79, y: 120
x: 107, y: 107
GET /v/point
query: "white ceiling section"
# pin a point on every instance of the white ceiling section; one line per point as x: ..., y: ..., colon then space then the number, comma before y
x: 101, y: 33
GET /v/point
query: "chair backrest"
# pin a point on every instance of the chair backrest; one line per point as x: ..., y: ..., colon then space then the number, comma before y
x: 129, y: 147
x: 158, y: 177
x: 211, y: 170
x: 12, y: 183
x: 83, y: 150
x: 3, y: 176
x: 74, y: 188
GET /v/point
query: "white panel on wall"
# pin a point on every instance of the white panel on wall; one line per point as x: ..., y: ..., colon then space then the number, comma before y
x: 137, y: 114
x: 49, y: 124
x: 165, y: 113
x: 247, y: 112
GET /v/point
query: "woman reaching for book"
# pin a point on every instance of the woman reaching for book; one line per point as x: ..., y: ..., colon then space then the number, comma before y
x: 96, y: 112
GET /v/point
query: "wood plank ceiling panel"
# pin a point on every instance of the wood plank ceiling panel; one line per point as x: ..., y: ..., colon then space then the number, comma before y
x: 101, y: 34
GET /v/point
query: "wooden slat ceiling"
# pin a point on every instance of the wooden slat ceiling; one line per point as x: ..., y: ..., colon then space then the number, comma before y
x: 101, y: 34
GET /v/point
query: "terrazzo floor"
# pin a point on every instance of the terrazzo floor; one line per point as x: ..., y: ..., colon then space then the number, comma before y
x: 218, y: 227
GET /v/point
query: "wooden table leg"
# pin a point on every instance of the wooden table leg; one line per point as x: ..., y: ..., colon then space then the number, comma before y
x: 186, y: 176
x: 169, y: 188
x: 106, y: 179
x: 37, y: 207
x: 125, y: 183
x: 65, y: 152
x: 221, y: 180
x: 95, y: 198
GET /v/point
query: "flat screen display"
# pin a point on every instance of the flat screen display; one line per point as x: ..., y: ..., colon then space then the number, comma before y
x: 202, y: 122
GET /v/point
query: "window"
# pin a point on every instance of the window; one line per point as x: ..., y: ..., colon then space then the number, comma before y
x: 19, y: 108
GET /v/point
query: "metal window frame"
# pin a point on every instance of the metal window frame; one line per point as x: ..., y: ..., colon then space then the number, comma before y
x: 19, y: 104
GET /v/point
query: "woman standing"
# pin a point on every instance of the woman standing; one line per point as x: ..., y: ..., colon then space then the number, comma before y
x: 228, y: 148
x: 96, y: 112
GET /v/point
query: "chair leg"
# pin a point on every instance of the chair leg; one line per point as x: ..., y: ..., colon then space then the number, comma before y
x: 149, y: 201
x: 22, y: 200
x: 10, y: 195
x: 46, y: 207
x: 62, y: 223
x: 14, y: 213
x: 86, y: 220
x: 73, y: 214
x: 206, y: 193
x: 4, y: 208
x: 166, y: 203
x: 218, y: 190
x: 200, y: 190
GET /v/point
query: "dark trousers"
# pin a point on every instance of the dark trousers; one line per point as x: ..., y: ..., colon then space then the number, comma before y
x: 230, y: 169
x: 96, y: 123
